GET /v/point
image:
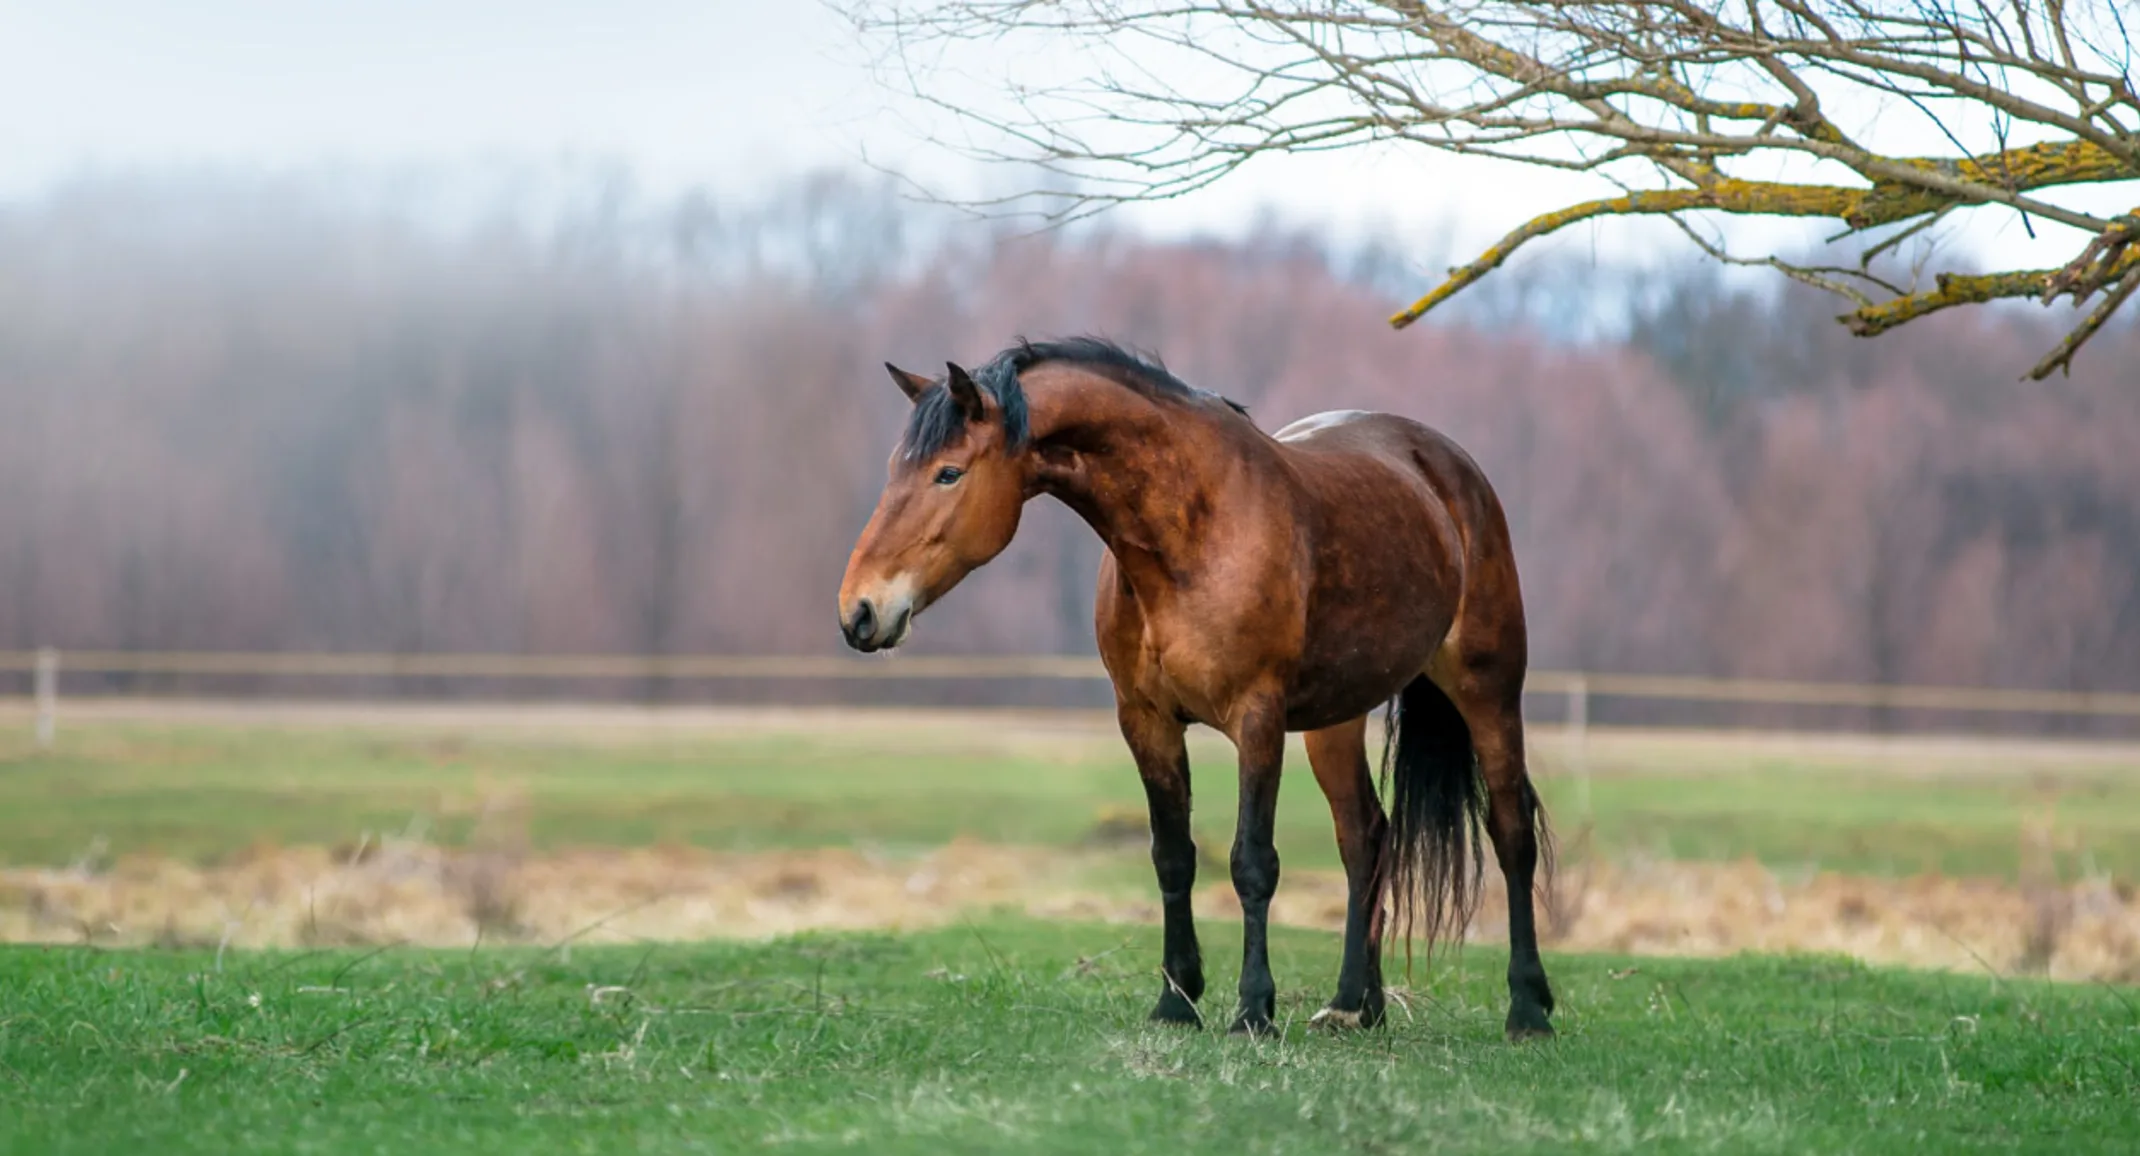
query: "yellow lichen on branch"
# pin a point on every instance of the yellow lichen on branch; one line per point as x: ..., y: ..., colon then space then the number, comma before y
x: 1744, y: 197
x: 1972, y: 289
x: 1883, y: 203
x: 2034, y: 166
x: 1953, y: 289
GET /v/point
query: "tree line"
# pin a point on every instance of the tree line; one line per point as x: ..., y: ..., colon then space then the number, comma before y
x: 241, y: 415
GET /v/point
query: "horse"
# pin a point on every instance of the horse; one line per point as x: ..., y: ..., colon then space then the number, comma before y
x: 1259, y: 584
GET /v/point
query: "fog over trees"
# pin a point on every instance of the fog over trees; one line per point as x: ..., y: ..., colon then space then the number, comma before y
x: 246, y: 413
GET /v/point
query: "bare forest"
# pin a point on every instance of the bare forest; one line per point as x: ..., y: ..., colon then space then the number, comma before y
x: 243, y: 414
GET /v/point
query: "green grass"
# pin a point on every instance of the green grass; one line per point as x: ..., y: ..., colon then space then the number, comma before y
x: 1008, y: 1034
x: 1012, y: 1035
x: 202, y: 791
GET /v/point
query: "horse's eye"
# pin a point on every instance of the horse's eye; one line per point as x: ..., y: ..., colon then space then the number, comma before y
x: 948, y: 475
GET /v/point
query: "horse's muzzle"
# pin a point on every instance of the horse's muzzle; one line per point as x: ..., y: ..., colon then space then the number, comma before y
x: 869, y: 631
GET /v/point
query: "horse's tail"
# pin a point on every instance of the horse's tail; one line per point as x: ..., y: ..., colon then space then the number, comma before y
x: 1432, y: 852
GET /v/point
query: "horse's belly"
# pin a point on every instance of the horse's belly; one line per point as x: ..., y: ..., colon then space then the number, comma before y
x: 1340, y: 683
x: 1324, y: 708
x: 1355, y: 657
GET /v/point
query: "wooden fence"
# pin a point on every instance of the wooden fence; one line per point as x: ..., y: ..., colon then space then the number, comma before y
x: 48, y: 665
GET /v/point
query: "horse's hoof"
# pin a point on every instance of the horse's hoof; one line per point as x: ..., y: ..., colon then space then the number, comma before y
x: 1174, y: 1009
x: 1253, y: 1026
x: 1331, y: 1019
x: 1524, y: 1028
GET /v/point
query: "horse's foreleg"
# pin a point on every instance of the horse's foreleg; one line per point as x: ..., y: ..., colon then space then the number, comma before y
x: 1513, y: 820
x: 1156, y: 742
x: 1260, y: 741
x: 1339, y: 756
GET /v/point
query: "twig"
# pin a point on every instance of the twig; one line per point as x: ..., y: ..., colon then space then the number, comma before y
x: 2061, y: 356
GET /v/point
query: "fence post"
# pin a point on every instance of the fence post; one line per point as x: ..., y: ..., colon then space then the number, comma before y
x: 1579, y: 739
x: 47, y: 697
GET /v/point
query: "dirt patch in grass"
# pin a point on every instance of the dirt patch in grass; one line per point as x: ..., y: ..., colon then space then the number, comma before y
x: 378, y: 893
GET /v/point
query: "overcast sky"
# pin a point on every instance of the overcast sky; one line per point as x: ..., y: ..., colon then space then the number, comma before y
x: 724, y: 93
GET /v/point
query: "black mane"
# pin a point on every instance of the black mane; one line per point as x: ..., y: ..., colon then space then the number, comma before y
x: 936, y: 419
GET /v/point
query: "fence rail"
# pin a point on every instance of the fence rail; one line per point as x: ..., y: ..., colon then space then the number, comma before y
x: 47, y: 665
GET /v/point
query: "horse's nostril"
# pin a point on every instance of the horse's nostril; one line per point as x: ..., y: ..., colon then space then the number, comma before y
x: 865, y: 621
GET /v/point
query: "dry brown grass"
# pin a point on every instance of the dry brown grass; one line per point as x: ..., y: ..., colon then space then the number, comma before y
x: 397, y: 892
x: 496, y: 890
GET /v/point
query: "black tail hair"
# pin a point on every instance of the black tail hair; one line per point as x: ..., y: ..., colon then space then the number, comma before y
x: 1432, y: 853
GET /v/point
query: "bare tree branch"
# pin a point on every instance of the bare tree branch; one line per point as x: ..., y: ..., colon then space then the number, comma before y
x: 1689, y: 106
x: 2061, y: 358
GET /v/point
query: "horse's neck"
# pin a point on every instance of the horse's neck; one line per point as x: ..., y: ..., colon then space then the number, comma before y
x: 1146, y: 475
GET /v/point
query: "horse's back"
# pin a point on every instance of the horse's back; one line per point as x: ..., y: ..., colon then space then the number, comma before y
x: 1402, y: 442
x: 1316, y: 423
x: 1339, y: 444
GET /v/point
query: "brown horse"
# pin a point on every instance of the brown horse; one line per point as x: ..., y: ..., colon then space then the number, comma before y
x: 1257, y: 584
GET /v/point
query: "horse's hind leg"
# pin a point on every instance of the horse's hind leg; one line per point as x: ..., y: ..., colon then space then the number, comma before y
x: 1339, y: 756
x: 1156, y: 742
x: 1514, y: 820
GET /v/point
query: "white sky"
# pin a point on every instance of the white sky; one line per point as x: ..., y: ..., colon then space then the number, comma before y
x: 724, y: 93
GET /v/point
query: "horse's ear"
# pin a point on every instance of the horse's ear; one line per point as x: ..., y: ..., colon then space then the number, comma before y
x: 966, y: 393
x: 911, y: 384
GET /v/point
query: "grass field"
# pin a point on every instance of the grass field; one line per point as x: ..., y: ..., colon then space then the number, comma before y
x: 202, y: 791
x: 1007, y: 1035
x: 998, y: 1032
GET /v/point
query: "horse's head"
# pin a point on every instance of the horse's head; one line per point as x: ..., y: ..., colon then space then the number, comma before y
x: 958, y: 481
